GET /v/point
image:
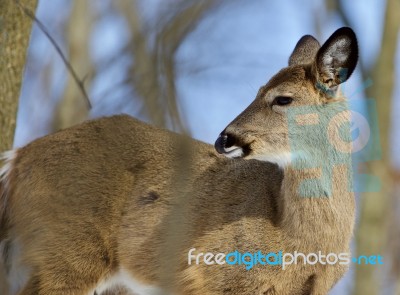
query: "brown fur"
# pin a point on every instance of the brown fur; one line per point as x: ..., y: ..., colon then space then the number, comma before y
x: 115, y: 192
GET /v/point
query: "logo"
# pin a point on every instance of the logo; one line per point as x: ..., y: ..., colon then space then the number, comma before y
x: 323, y: 137
x: 278, y: 259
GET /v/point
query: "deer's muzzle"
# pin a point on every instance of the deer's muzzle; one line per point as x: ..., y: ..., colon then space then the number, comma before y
x: 225, y: 144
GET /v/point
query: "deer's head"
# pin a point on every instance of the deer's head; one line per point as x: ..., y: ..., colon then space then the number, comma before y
x: 312, y: 78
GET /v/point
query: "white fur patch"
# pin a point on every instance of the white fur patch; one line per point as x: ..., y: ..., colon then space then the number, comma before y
x: 282, y: 160
x: 7, y: 157
x: 233, y: 152
x: 123, y: 278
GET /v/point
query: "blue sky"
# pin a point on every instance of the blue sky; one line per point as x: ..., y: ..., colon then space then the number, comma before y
x: 221, y: 65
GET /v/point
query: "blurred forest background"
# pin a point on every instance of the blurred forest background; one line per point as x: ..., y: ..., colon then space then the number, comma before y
x: 192, y: 66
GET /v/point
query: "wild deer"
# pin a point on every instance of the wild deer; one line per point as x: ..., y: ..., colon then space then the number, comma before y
x: 114, y: 201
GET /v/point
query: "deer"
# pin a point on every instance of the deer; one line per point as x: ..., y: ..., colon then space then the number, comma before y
x: 117, y: 202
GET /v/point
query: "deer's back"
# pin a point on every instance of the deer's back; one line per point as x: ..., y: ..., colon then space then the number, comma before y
x: 111, y: 187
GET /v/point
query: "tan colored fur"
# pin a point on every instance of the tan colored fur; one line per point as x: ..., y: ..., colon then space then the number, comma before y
x: 115, y: 194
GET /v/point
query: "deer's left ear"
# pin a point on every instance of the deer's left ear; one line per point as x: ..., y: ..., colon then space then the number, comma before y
x: 336, y: 59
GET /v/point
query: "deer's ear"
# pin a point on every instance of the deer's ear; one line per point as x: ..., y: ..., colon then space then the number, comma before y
x: 336, y: 59
x: 305, y: 51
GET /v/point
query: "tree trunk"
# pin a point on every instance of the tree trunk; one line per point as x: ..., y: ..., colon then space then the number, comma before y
x: 15, y: 29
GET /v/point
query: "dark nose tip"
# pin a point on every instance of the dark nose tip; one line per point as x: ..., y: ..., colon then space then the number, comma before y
x: 224, y: 141
x: 220, y: 143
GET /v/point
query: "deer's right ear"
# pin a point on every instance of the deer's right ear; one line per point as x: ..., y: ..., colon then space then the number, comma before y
x: 337, y: 59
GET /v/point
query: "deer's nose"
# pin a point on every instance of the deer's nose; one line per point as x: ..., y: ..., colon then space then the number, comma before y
x: 220, y: 143
x: 223, y: 142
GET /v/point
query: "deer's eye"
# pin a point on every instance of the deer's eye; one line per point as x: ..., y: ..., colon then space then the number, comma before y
x: 282, y: 100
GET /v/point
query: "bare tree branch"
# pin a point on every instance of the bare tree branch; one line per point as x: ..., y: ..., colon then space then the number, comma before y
x: 42, y: 27
x: 71, y: 109
x: 168, y: 41
x: 154, y: 68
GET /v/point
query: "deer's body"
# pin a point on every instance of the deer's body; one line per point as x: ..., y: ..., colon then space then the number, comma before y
x: 116, y: 200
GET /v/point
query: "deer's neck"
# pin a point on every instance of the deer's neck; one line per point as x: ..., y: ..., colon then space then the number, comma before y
x: 318, y: 202
x: 317, y: 185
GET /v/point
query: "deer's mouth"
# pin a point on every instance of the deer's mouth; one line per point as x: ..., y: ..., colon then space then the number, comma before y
x: 233, y: 152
